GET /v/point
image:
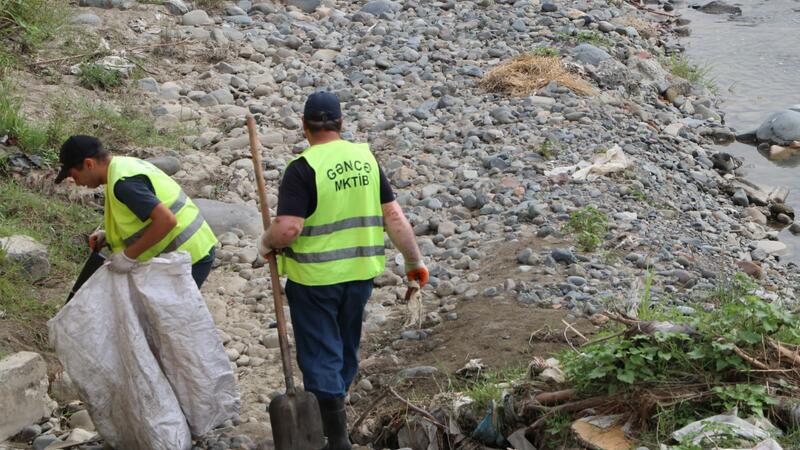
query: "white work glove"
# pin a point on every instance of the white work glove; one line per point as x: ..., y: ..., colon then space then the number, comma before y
x: 120, y: 263
x: 263, y: 248
x: 97, y: 240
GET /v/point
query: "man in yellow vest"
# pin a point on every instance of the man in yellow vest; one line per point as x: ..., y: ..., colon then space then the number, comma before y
x: 146, y: 213
x: 334, y: 203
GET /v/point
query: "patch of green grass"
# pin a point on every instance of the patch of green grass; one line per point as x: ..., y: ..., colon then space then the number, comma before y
x: 63, y: 227
x: 589, y: 226
x: 589, y: 37
x: 488, y: 386
x: 790, y: 440
x: 118, y: 128
x: 29, y: 137
x: 679, y: 65
x: 557, y: 431
x: 94, y: 76
x: 26, y: 24
x: 546, y: 51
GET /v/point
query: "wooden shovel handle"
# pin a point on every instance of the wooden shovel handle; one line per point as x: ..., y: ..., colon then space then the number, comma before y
x: 286, y: 356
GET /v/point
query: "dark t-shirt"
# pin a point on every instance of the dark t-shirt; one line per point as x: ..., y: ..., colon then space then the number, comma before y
x: 138, y: 194
x: 297, y: 195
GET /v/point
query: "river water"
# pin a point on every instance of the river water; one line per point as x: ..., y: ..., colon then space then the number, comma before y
x: 754, y: 60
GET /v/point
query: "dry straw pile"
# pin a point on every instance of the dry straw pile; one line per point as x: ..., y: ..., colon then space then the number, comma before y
x: 527, y: 73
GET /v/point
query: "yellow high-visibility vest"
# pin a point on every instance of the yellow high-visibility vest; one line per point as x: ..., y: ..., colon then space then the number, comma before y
x: 123, y: 228
x: 342, y: 240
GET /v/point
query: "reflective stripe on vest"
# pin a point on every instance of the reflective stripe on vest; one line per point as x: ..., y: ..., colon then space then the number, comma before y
x: 176, y: 206
x: 123, y: 227
x: 353, y: 222
x: 342, y: 240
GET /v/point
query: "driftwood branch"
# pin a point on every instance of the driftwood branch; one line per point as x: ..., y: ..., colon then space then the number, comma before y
x: 792, y: 356
x: 585, y: 339
x: 750, y: 360
x: 425, y: 414
x: 102, y: 52
x: 575, y: 406
x: 366, y: 412
x: 551, y: 398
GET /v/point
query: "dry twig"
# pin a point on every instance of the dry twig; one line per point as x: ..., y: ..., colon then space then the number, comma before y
x: 752, y: 361
x: 425, y: 414
x: 102, y: 52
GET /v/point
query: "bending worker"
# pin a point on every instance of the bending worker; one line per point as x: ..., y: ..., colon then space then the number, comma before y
x: 333, y: 204
x: 146, y: 213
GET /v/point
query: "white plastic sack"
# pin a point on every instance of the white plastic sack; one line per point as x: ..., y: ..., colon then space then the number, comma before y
x: 139, y: 399
x: 184, y: 339
x: 613, y: 160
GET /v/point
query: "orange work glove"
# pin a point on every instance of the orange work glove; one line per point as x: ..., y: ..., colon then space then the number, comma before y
x: 416, y: 271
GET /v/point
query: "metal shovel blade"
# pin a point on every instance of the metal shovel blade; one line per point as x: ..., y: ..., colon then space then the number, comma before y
x: 296, y: 422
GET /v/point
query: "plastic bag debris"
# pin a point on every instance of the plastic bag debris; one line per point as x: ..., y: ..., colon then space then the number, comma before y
x: 613, y: 160
x: 145, y: 357
x: 725, y: 425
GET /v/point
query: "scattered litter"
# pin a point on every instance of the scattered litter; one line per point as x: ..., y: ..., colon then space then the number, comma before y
x: 724, y: 425
x: 138, y: 25
x: 113, y: 63
x: 603, y: 432
x: 613, y: 160
x: 419, y: 434
x: 472, y: 370
x: 488, y: 430
x: 416, y: 311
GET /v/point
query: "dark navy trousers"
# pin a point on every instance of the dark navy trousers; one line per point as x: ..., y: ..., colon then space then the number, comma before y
x: 327, y: 332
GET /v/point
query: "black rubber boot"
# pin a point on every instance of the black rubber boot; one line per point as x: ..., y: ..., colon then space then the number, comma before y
x: 334, y: 423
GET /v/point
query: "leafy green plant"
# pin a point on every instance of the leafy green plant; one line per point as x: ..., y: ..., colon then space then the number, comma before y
x: 589, y: 225
x: 549, y: 148
x: 556, y: 430
x: 749, y: 398
x: 546, y: 51
x: 95, y: 76
x: 710, y: 353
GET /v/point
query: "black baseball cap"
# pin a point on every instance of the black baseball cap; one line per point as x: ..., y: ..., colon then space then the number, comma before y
x: 74, y: 150
x: 322, y: 106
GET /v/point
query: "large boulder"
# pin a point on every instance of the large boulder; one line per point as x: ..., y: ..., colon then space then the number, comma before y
x: 380, y: 7
x: 307, y: 6
x: 589, y: 54
x: 23, y: 392
x: 224, y: 217
x: 781, y: 128
x: 717, y: 7
x: 28, y: 253
x: 167, y: 163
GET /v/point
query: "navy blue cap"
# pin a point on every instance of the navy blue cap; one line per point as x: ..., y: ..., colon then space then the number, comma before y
x: 74, y: 150
x: 322, y: 106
